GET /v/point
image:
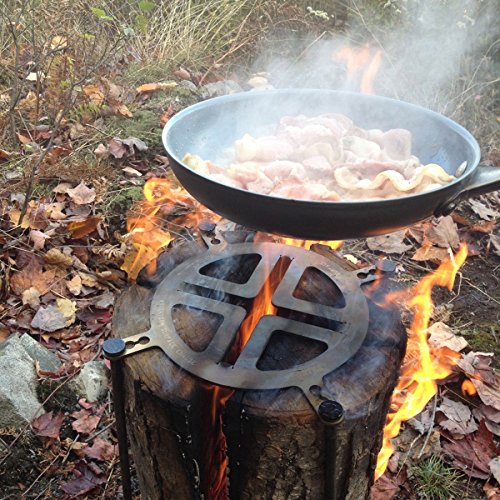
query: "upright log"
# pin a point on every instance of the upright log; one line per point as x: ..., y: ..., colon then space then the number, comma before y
x: 277, y: 447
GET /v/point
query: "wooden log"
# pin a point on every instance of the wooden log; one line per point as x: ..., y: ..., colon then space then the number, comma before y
x: 277, y: 447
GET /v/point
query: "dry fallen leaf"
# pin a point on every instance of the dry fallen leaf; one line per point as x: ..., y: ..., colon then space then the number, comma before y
x: 81, y: 194
x: 54, y: 257
x: 459, y: 418
x: 101, y: 450
x: 491, y: 492
x: 83, y: 228
x: 94, y: 93
x: 32, y: 276
x: 495, y: 468
x: 85, y: 481
x: 48, y: 425
x: 116, y: 148
x: 31, y: 296
x: 482, y: 210
x: 473, y: 453
x: 101, y: 150
x: 55, y: 316
x: 75, y: 285
x: 434, y: 254
x: 131, y: 171
x: 445, y: 234
x: 85, y: 422
x: 389, y: 243
x: 62, y: 188
x: 38, y: 238
x: 441, y: 335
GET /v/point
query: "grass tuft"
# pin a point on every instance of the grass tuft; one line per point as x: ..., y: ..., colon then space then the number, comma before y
x: 435, y: 480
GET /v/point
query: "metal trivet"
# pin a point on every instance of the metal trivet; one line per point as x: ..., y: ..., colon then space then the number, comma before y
x: 180, y: 288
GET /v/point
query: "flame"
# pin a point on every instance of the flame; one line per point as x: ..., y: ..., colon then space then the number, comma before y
x: 165, y: 204
x: 333, y: 244
x: 422, y: 365
x: 360, y: 63
x: 468, y: 388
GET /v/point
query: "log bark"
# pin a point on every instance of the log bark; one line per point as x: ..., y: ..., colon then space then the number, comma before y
x: 277, y: 447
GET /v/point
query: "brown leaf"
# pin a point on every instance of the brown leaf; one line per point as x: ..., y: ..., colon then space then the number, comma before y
x: 445, y: 234
x: 55, y: 316
x: 166, y: 115
x: 48, y: 425
x: 441, y: 335
x: 182, y: 73
x: 86, y: 481
x: 31, y: 296
x: 54, y: 257
x: 131, y: 171
x: 32, y: 276
x: 389, y: 243
x: 133, y: 142
x: 489, y: 394
x: 38, y: 238
x: 35, y: 217
x: 434, y: 254
x: 83, y: 228
x: 81, y: 194
x: 491, y: 492
x: 62, y: 188
x: 75, y: 285
x: 101, y: 450
x: 116, y: 148
x: 460, y: 420
x: 473, y: 453
x: 94, y: 93
x: 120, y: 109
x: 86, y: 424
x: 101, y: 150
x: 495, y: 468
x: 483, y: 226
x: 482, y: 210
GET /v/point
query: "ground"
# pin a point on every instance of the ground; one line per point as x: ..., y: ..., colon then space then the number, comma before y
x: 83, y: 100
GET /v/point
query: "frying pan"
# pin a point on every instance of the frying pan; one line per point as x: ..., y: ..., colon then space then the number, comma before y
x: 210, y: 127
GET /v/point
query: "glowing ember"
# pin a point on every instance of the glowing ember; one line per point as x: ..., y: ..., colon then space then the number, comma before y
x: 360, y: 61
x: 468, y: 388
x: 422, y: 365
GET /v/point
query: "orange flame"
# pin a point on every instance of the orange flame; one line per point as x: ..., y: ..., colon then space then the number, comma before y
x: 422, y: 365
x: 334, y: 244
x: 359, y: 61
x: 468, y: 388
x: 165, y: 212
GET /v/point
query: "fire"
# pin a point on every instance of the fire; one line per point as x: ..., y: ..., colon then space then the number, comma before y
x: 334, y: 244
x: 422, y: 365
x: 359, y: 61
x: 468, y: 388
x: 165, y: 204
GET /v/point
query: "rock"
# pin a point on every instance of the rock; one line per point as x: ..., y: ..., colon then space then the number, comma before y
x: 189, y: 85
x: 92, y: 381
x: 219, y: 88
x: 19, y: 403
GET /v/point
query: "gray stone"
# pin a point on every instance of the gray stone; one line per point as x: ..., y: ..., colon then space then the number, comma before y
x: 187, y: 84
x: 92, y: 381
x: 47, y: 360
x: 219, y: 88
x: 19, y: 403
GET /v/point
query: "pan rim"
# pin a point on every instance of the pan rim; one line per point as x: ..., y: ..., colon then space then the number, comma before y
x: 459, y: 129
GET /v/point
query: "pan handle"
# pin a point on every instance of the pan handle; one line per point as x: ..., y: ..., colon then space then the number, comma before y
x: 485, y: 180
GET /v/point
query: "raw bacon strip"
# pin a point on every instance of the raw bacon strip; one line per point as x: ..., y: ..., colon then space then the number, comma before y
x: 325, y: 158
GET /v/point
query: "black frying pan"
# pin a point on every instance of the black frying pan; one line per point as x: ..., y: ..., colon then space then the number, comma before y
x: 210, y: 127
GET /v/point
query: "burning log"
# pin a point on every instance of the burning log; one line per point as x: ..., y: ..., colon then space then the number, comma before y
x: 193, y: 439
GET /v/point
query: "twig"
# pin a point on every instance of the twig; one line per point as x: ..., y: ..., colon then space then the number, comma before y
x: 25, y: 492
x: 429, y: 432
x: 104, y: 429
x: 23, y: 430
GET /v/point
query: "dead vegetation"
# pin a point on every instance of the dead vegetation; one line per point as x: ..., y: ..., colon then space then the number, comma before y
x: 70, y: 112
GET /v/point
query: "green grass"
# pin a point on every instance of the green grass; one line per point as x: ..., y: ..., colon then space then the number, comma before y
x: 435, y: 480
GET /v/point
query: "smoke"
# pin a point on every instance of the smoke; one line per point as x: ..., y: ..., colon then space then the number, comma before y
x: 426, y: 45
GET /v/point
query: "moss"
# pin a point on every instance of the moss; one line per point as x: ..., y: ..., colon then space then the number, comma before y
x: 64, y: 399
x: 482, y: 337
x: 145, y: 123
x: 116, y: 206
